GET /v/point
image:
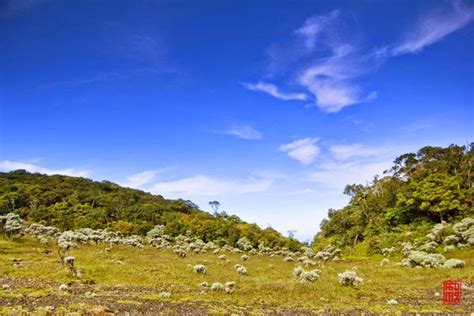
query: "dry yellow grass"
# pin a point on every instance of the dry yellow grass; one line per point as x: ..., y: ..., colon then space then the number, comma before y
x: 130, y: 279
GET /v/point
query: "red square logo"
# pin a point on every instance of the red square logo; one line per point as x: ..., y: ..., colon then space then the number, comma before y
x: 452, y: 292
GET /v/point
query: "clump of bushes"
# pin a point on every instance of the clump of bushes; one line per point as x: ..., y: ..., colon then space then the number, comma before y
x: 10, y: 224
x: 244, y: 244
x: 329, y: 252
x: 384, y: 262
x: 464, y: 230
x: 425, y: 260
x: 216, y: 287
x: 200, y: 269
x: 306, y: 275
x: 165, y: 295
x: 241, y: 270
x: 420, y: 258
x: 454, y: 263
x: 349, y: 278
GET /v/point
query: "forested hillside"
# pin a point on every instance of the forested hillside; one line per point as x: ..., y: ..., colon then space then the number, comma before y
x: 433, y: 185
x: 71, y: 203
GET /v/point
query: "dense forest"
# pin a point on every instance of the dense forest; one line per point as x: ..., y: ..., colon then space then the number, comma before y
x: 433, y: 185
x: 71, y: 203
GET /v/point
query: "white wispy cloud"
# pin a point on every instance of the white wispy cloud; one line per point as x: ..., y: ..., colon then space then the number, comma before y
x: 7, y: 165
x: 245, y: 132
x: 203, y: 185
x: 327, y: 60
x: 272, y: 90
x: 314, y: 27
x: 434, y: 26
x: 343, y: 152
x: 139, y: 179
x: 304, y: 150
x: 336, y: 175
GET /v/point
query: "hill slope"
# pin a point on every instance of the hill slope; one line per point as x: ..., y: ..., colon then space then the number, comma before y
x: 433, y: 185
x: 71, y: 203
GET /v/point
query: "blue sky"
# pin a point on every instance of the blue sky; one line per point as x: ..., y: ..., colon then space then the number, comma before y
x: 268, y: 107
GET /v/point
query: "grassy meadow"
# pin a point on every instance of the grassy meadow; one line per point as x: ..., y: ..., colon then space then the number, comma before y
x: 124, y: 278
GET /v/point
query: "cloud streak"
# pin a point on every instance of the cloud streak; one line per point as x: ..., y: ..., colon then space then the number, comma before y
x: 304, y: 150
x: 139, y: 179
x: 328, y: 64
x: 203, y: 185
x: 272, y: 90
x: 433, y: 27
x: 7, y: 165
x: 244, y: 132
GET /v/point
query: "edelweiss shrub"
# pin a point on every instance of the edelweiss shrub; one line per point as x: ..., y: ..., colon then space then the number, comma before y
x: 465, y: 231
x: 310, y: 276
x: 244, y: 244
x: 165, y: 294
x: 181, y: 253
x: 289, y: 259
x: 297, y: 271
x: 327, y: 253
x: 423, y: 259
x: 392, y: 302
x: 10, y: 224
x: 454, y: 264
x: 388, y: 251
x: 429, y: 246
x: 240, y: 269
x: 384, y: 262
x: 200, y: 268
x: 449, y: 248
x: 217, y: 287
x: 349, y: 278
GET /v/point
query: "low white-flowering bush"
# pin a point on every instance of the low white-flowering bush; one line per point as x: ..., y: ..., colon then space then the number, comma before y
x: 451, y: 240
x: 392, y: 302
x: 64, y: 287
x: 222, y: 257
x: 329, y: 252
x: 10, y: 224
x: 454, y: 263
x: 289, y: 259
x: 388, y: 251
x: 244, y: 257
x: 429, y: 246
x: 384, y: 262
x: 165, y: 294
x: 309, y: 263
x: 216, y: 286
x: 200, y: 268
x: 240, y: 269
x: 310, y: 276
x: 449, y: 248
x: 349, y: 278
x: 181, y: 253
x: 407, y: 247
x: 297, y: 271
x: 423, y: 259
x: 306, y: 275
x: 216, y: 251
x: 204, y: 284
x: 69, y: 260
x: 244, y: 244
